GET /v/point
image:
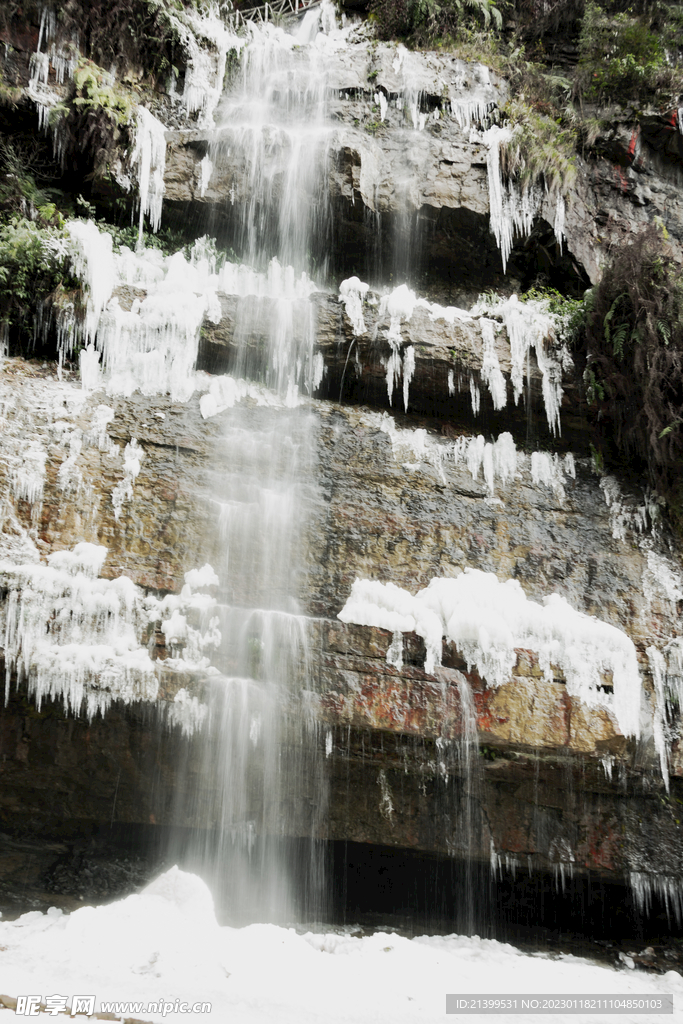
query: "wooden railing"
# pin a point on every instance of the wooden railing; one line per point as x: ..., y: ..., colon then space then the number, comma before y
x: 271, y: 11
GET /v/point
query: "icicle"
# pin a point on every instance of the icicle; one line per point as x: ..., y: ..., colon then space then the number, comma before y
x: 511, y: 210
x: 69, y: 477
x: 667, y: 888
x: 123, y: 491
x: 658, y: 669
x: 93, y: 262
x: 469, y: 112
x: 475, y: 396
x: 494, y: 460
x: 625, y: 515
x: 548, y: 469
x: 149, y: 159
x: 186, y: 713
x: 408, y: 371
x: 28, y: 478
x: 205, y: 172
x: 529, y: 325
x: 352, y: 293
x: 558, y: 226
x: 395, y: 651
x: 97, y: 435
x: 394, y: 370
x: 490, y: 369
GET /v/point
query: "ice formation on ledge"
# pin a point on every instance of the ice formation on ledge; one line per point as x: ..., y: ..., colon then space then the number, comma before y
x: 625, y: 514
x: 205, y: 40
x: 149, y: 160
x: 188, y: 643
x: 123, y: 491
x: 199, y: 579
x: 28, y: 477
x: 94, y: 263
x: 399, y: 306
x: 186, y: 713
x: 72, y: 635
x: 410, y: 447
x: 551, y: 469
x: 152, y: 347
x: 225, y: 392
x: 529, y: 325
x: 352, y: 291
x: 498, y: 462
x: 205, y: 71
x: 489, y: 620
x: 97, y: 435
x: 467, y: 93
x: 513, y: 209
x: 62, y: 59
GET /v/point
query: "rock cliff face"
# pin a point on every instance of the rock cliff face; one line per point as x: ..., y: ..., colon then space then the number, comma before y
x: 541, y: 782
x: 443, y: 762
x: 383, y: 174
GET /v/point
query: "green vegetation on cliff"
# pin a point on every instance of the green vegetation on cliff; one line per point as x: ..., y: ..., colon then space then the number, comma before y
x: 633, y: 350
x: 562, y: 61
x: 625, y: 58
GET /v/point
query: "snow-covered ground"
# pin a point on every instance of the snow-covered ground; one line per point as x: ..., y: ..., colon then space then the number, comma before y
x: 165, y: 945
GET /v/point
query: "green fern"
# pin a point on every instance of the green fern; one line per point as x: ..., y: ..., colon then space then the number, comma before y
x: 664, y: 328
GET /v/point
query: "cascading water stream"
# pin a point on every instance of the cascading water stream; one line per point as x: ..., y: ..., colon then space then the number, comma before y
x: 262, y: 745
x: 273, y: 126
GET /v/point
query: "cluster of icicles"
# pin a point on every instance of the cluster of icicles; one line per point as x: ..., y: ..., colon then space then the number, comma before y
x: 497, y: 463
x: 529, y: 326
x: 75, y: 636
x: 489, y: 621
x: 152, y: 346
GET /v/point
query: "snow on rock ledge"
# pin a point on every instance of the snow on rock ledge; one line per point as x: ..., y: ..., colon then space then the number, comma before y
x: 489, y: 621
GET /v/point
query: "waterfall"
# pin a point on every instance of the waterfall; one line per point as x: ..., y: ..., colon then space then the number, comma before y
x: 267, y: 706
x: 261, y: 744
x: 273, y: 125
x: 259, y: 751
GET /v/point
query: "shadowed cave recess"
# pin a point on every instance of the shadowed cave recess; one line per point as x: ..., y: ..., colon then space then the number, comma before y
x: 311, y: 578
